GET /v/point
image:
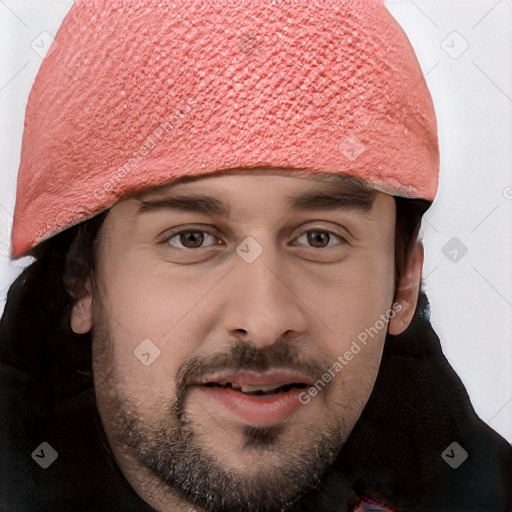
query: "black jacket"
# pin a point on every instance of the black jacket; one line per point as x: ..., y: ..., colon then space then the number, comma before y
x: 417, y: 409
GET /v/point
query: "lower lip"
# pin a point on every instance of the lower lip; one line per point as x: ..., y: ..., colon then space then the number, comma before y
x: 256, y: 409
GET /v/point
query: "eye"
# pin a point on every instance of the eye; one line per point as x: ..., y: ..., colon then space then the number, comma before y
x: 318, y: 238
x: 190, y: 239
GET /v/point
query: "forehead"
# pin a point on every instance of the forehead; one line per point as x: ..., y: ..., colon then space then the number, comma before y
x: 270, y: 179
x: 287, y: 176
x: 216, y: 194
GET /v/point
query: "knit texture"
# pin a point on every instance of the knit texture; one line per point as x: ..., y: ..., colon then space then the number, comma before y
x: 135, y: 94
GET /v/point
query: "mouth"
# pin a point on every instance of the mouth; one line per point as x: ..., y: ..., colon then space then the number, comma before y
x: 254, y: 398
x: 269, y: 390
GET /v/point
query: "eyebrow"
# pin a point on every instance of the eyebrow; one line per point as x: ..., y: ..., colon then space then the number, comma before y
x: 361, y: 200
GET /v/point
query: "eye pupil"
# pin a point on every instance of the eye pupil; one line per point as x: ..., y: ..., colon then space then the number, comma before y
x: 314, y: 236
x: 193, y: 234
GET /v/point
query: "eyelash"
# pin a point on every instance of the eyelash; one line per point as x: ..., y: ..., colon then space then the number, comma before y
x: 168, y: 237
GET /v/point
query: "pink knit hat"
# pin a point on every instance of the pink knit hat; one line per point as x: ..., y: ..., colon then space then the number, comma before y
x: 137, y: 93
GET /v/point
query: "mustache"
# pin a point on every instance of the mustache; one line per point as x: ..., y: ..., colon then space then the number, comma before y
x: 245, y: 356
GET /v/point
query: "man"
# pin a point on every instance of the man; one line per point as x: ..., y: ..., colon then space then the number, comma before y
x: 225, y: 310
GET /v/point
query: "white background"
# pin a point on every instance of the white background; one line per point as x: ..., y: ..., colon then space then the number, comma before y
x: 471, y: 293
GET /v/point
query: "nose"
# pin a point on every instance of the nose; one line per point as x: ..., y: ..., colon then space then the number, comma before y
x: 261, y: 302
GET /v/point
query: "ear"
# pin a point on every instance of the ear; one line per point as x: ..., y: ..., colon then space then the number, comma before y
x: 408, y: 291
x: 81, y: 315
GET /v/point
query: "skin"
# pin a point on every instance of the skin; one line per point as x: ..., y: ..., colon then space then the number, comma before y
x: 299, y: 305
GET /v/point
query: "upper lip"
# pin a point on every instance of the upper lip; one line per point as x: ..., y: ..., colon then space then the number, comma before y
x: 251, y: 378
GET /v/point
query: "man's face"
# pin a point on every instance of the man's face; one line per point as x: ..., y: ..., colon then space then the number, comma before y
x: 183, y: 299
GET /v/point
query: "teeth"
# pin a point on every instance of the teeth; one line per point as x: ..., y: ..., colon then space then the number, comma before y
x: 257, y: 389
x: 265, y: 389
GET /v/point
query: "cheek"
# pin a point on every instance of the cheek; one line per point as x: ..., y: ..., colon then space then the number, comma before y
x: 355, y: 308
x: 153, y: 299
x: 348, y: 326
x: 353, y: 297
x: 153, y: 327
